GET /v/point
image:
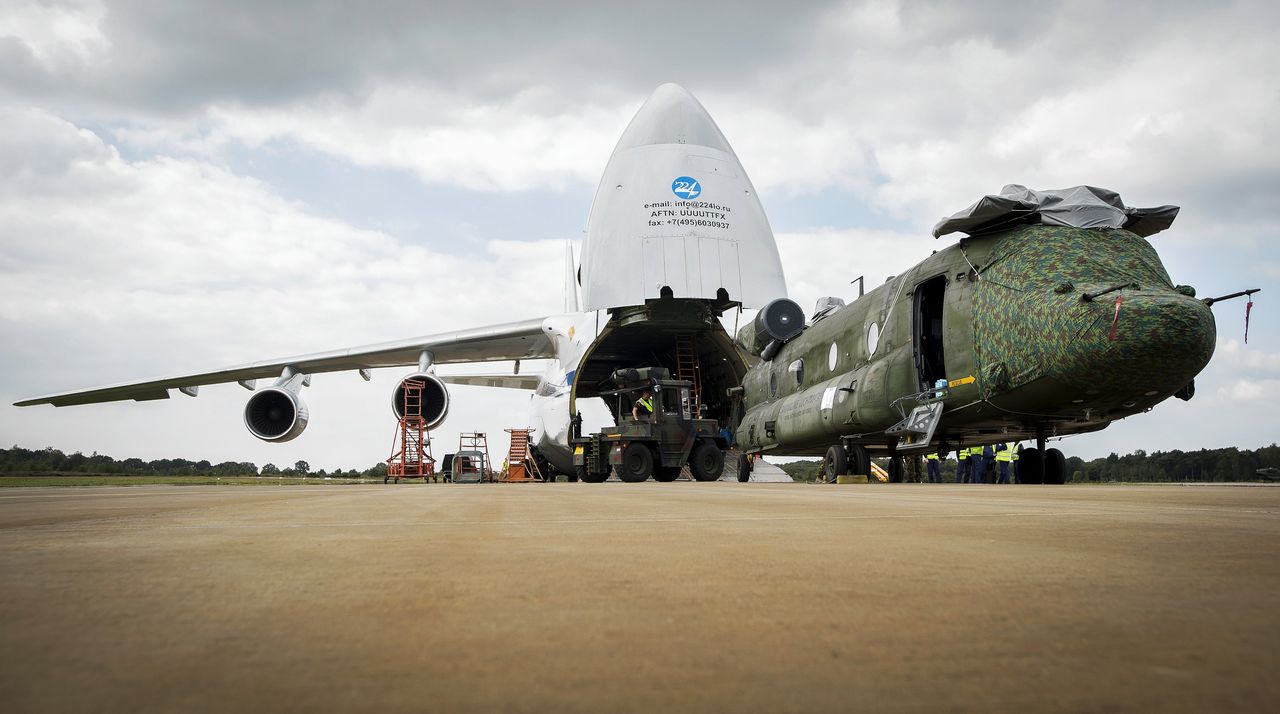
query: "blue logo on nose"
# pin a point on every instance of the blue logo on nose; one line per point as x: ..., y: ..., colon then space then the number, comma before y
x: 686, y: 187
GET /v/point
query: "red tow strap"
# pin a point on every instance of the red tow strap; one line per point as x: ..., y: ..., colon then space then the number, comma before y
x: 1115, y: 321
x: 1247, y: 309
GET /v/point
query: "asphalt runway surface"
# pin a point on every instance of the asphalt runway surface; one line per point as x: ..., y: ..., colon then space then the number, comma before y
x: 608, y: 597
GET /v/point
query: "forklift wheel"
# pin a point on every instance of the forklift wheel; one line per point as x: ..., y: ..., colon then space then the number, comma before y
x: 706, y: 462
x: 637, y: 463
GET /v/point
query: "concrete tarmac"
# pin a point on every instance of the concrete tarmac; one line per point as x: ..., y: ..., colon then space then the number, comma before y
x: 619, y: 597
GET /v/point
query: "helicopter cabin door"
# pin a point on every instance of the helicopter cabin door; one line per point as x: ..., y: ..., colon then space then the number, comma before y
x: 927, y: 331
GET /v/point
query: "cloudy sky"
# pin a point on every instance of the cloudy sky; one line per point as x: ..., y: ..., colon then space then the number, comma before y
x: 206, y: 184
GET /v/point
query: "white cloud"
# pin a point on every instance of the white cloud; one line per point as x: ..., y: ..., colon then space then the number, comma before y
x: 1252, y: 390
x: 520, y: 143
x: 824, y: 263
x: 119, y: 270
x: 1235, y: 355
x: 915, y: 107
x: 58, y: 35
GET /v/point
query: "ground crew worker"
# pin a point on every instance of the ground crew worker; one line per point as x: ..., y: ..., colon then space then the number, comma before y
x: 934, y: 466
x: 988, y: 463
x: 962, y: 465
x: 1004, y: 457
x: 643, y: 408
x: 977, y: 464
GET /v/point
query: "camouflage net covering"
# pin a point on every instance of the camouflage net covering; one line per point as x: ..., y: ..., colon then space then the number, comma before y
x: 1032, y: 322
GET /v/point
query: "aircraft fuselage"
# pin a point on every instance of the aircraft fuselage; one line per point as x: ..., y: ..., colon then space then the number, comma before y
x: 1011, y: 321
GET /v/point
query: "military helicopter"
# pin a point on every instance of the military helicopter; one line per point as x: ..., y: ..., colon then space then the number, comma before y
x: 1052, y: 316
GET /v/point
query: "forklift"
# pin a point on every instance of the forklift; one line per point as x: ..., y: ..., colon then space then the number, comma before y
x: 658, y: 445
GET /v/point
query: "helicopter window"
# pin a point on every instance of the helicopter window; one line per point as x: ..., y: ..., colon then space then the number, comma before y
x: 873, y: 338
x: 797, y: 369
x: 773, y: 384
x: 832, y: 356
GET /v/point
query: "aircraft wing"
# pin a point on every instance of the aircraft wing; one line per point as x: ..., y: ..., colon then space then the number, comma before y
x: 508, y: 381
x: 510, y: 341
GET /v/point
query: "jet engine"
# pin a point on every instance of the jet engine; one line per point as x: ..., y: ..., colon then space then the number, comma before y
x: 434, y: 406
x: 777, y: 322
x: 275, y: 414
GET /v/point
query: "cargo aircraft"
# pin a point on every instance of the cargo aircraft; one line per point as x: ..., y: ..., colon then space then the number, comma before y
x: 675, y: 238
x: 1052, y: 316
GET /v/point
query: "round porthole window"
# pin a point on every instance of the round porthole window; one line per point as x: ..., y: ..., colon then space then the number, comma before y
x: 832, y: 356
x: 797, y: 370
x: 873, y: 338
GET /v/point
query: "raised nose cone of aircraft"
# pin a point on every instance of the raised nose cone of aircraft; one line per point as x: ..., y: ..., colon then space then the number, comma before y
x: 671, y: 115
x: 676, y: 216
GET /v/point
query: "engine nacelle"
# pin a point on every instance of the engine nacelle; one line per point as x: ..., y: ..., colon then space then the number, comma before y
x: 775, y: 324
x: 275, y: 414
x: 435, y: 399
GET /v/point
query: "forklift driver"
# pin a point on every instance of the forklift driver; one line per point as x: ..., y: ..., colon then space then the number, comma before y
x: 643, y: 407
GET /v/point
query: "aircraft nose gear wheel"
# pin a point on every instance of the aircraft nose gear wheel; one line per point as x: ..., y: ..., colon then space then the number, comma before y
x: 744, y: 468
x: 637, y: 463
x: 1030, y: 466
x: 706, y: 462
x: 1055, y: 467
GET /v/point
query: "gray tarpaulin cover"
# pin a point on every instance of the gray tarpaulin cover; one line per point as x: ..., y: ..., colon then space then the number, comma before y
x: 1079, y: 206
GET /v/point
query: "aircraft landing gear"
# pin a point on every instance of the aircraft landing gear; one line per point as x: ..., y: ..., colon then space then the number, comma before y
x: 545, y: 468
x: 1041, y: 465
x: 1030, y: 466
x: 835, y: 463
x: 744, y: 468
x: 851, y: 459
x: 859, y: 460
x: 896, y: 469
x: 1055, y: 467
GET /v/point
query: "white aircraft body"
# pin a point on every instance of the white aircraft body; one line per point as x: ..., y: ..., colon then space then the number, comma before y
x: 676, y: 237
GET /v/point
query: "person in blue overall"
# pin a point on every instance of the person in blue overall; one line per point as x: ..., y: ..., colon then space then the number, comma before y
x: 1004, y: 457
x: 978, y: 464
x: 933, y: 463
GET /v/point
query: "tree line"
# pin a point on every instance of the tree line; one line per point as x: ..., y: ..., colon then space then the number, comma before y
x: 17, y: 460
x: 1230, y: 464
x: 1209, y: 465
